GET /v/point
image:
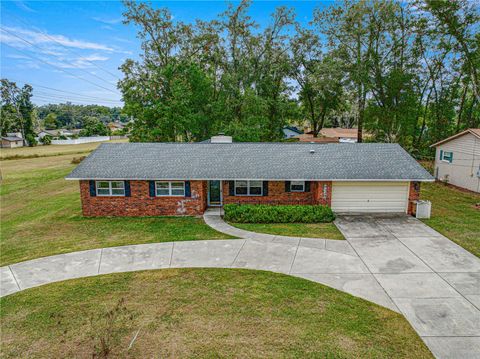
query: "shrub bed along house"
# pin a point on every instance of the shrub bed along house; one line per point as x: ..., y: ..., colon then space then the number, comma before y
x: 261, y: 213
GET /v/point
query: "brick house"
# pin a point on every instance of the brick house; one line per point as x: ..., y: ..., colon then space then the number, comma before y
x: 154, y: 179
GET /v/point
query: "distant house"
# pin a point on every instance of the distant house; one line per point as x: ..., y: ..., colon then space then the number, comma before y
x: 291, y: 131
x: 153, y: 179
x: 457, y: 159
x: 331, y: 135
x: 115, y: 126
x: 12, y: 140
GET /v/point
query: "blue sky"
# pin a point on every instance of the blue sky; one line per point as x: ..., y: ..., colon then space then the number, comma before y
x: 71, y: 51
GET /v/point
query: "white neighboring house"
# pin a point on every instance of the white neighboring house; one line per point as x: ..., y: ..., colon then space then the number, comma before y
x: 457, y: 159
x: 12, y: 140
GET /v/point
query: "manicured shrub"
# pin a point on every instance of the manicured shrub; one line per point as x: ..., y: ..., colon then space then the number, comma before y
x: 261, y: 213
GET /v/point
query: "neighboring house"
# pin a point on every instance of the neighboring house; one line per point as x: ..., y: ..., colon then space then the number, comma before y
x: 115, y: 126
x: 457, y: 159
x: 291, y: 131
x: 152, y: 179
x: 331, y: 135
x: 12, y: 140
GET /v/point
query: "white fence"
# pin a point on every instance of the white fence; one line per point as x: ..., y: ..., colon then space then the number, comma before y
x: 79, y: 140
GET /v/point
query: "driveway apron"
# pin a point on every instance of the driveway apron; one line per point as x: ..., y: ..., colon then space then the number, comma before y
x: 434, y: 282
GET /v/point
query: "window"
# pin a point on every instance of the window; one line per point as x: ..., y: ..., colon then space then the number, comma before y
x: 248, y: 188
x: 110, y: 188
x: 446, y: 156
x: 164, y: 188
x: 297, y: 186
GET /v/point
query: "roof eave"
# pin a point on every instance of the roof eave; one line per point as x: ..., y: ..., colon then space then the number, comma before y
x: 255, y: 179
x: 454, y: 137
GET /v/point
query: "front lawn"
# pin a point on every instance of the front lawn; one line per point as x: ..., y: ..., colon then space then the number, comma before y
x: 310, y: 230
x: 454, y: 214
x: 41, y: 215
x: 201, y: 313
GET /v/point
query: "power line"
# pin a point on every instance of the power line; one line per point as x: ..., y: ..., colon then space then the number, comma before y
x: 38, y: 47
x: 61, y: 69
x: 49, y: 99
x: 57, y: 96
x: 68, y: 92
x: 67, y: 48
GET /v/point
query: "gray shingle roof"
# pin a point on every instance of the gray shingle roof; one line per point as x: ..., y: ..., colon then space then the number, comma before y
x: 12, y: 138
x: 266, y: 161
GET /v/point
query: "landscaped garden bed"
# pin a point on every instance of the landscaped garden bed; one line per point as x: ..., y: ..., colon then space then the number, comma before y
x: 248, y: 213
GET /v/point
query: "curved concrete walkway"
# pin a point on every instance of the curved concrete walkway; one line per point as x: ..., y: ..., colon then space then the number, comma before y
x: 213, y: 218
x: 397, y: 262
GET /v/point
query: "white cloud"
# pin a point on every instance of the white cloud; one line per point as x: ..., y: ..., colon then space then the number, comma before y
x: 24, y: 6
x: 108, y: 21
x: 39, y: 38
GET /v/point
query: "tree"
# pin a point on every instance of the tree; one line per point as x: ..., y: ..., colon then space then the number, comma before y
x: 18, y: 111
x: 50, y: 121
x: 346, y: 28
x: 93, y: 127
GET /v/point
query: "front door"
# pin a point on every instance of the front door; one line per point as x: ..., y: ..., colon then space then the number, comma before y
x: 214, y: 193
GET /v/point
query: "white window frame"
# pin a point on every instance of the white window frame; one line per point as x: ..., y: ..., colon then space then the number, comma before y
x: 110, y: 192
x: 297, y: 183
x: 169, y: 189
x: 248, y: 189
x: 447, y: 160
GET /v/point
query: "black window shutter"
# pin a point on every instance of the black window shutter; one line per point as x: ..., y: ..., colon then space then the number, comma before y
x: 188, y: 192
x: 287, y: 186
x: 265, y: 188
x: 231, y: 188
x: 128, y: 193
x: 93, y: 191
x: 307, y: 186
x: 151, y: 188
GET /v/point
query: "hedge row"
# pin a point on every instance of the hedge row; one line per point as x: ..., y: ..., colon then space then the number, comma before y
x: 261, y: 213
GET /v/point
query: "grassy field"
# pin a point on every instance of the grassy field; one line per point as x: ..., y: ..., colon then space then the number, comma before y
x: 48, y: 151
x: 201, y: 313
x: 454, y: 214
x: 41, y: 215
x: 310, y: 230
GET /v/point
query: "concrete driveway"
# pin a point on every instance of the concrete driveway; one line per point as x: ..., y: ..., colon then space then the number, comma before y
x: 397, y: 262
x: 434, y: 282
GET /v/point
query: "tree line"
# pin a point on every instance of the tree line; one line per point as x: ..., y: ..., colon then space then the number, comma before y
x: 19, y: 114
x: 405, y: 72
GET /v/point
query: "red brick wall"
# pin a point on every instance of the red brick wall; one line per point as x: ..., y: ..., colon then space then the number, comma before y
x: 277, y: 195
x: 141, y: 204
x: 413, y: 195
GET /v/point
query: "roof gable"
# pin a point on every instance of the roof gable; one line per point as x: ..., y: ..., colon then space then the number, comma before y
x: 473, y: 131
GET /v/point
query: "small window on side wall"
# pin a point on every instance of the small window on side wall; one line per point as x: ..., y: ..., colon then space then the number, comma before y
x: 297, y: 186
x: 447, y: 156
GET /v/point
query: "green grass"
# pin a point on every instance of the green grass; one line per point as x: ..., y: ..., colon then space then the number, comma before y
x: 41, y: 215
x: 310, y: 230
x: 201, y: 313
x: 48, y: 151
x: 454, y: 214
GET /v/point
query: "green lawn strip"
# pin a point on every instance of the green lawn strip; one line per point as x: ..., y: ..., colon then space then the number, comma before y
x: 454, y: 214
x: 310, y: 230
x: 41, y: 216
x: 202, y: 313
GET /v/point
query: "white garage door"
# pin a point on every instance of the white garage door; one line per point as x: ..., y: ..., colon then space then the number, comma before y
x: 370, y: 196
